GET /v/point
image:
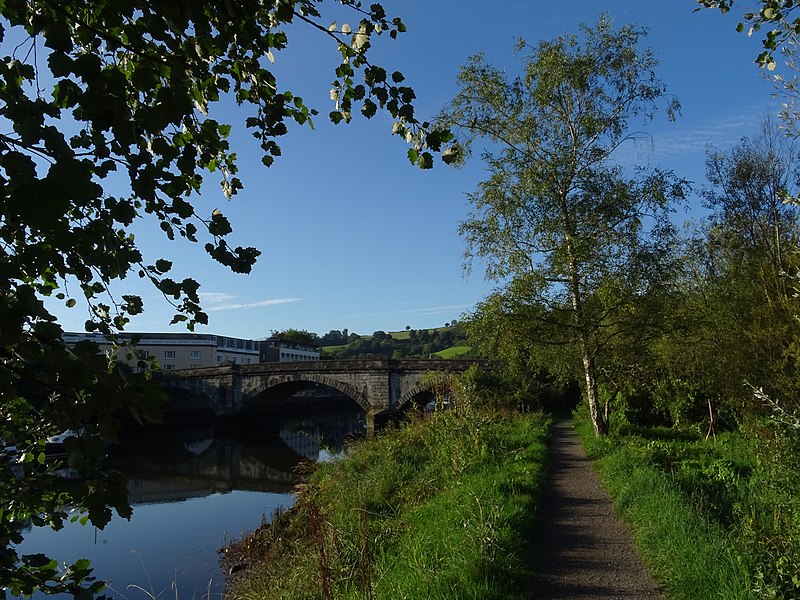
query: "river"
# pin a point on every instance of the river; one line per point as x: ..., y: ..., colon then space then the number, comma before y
x: 192, y: 491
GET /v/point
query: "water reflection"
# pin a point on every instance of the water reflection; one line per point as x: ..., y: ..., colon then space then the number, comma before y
x: 192, y: 491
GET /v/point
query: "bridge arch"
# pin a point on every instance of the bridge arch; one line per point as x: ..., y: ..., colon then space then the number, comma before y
x: 307, y: 378
x: 427, y: 387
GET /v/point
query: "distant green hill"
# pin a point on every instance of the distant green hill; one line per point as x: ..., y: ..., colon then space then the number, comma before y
x: 453, y: 352
x: 444, y: 342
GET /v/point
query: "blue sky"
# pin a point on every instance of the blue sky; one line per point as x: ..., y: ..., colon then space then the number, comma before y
x: 354, y: 237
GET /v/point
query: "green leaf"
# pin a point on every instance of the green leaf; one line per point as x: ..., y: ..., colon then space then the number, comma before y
x: 163, y: 265
x: 219, y: 225
x: 451, y: 155
x: 425, y: 161
x: 369, y: 108
x: 57, y: 36
x: 40, y: 561
x: 60, y: 63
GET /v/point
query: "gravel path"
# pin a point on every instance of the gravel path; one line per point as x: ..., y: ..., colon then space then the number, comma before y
x: 584, y: 551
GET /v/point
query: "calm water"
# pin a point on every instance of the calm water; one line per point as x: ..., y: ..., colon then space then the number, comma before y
x: 191, y: 494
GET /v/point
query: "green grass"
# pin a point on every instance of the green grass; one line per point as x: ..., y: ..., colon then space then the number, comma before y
x: 709, y: 517
x: 442, y: 508
x: 453, y: 352
x: 331, y: 349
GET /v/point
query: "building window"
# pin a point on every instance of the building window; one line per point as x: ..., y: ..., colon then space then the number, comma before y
x: 169, y: 353
x: 249, y: 361
x: 169, y: 367
x: 219, y: 358
x: 196, y: 354
x: 195, y: 366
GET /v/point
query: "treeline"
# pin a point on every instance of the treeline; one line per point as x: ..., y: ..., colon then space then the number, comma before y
x: 413, y: 343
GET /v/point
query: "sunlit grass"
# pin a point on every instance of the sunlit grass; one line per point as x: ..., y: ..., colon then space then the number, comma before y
x: 328, y: 350
x: 442, y: 508
x: 710, y: 520
x: 453, y: 352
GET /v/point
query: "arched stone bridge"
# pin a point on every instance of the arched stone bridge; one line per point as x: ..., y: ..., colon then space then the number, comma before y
x: 379, y: 386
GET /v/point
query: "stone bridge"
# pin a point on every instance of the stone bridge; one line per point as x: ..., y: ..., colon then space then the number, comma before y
x: 379, y: 386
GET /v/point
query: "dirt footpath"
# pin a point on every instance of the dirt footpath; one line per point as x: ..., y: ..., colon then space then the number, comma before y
x: 584, y: 551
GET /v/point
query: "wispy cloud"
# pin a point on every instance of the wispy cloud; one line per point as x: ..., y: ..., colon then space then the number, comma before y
x: 681, y: 141
x: 431, y: 310
x: 219, y: 301
x: 216, y: 297
x: 724, y: 134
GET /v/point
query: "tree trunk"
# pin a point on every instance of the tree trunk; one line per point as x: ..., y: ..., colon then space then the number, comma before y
x: 590, y: 370
x: 598, y: 422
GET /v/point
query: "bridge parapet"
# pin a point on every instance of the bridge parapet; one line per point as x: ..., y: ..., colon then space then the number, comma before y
x: 377, y: 385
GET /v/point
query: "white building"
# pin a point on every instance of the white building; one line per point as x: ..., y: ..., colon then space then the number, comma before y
x: 179, y: 350
x: 278, y: 349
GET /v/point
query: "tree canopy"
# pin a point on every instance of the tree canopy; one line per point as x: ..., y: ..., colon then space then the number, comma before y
x: 780, y: 22
x: 110, y: 123
x: 778, y: 16
x: 297, y: 336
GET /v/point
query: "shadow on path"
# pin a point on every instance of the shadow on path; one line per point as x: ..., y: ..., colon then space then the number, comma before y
x: 583, y: 550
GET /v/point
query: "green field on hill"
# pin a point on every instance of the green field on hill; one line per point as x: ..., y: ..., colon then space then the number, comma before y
x: 441, y: 342
x: 453, y: 352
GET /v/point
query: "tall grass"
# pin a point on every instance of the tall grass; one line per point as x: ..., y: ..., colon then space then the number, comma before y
x: 440, y: 508
x: 710, y: 517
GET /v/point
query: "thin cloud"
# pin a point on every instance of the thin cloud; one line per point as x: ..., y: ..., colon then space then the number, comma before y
x: 219, y: 301
x: 216, y: 297
x: 431, y: 310
x: 681, y: 140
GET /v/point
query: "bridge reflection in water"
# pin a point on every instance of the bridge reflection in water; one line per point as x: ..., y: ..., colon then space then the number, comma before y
x: 257, y: 452
x: 192, y: 491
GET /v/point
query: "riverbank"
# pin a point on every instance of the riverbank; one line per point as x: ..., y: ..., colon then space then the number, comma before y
x: 441, y: 508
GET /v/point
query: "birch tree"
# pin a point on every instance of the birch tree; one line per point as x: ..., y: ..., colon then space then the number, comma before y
x: 556, y: 209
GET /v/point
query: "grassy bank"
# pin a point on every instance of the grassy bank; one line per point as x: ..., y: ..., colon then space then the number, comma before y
x: 712, y: 519
x: 441, y: 508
